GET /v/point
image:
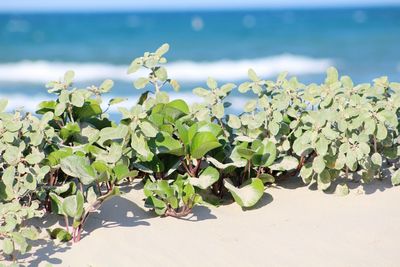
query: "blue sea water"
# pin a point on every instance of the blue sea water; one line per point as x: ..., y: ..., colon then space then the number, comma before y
x: 36, y: 48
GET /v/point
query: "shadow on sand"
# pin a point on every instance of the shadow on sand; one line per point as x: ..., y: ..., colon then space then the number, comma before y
x: 265, y: 200
x: 116, y: 212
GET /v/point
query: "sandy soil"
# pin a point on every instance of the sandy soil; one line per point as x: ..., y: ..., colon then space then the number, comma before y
x: 291, y: 226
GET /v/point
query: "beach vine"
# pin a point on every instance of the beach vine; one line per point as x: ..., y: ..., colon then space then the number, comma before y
x: 70, y: 157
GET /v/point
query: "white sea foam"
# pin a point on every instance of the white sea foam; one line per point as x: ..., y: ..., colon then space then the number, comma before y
x: 184, y: 71
x: 30, y: 103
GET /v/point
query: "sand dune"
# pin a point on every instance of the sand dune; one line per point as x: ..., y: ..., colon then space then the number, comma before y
x: 300, y: 227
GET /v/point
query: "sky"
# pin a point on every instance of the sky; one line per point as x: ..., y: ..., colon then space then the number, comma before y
x: 124, y: 5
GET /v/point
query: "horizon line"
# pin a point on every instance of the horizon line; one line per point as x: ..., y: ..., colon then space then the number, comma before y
x: 201, y: 9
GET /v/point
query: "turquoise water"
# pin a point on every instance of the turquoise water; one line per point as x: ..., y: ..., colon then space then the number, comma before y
x: 35, y: 48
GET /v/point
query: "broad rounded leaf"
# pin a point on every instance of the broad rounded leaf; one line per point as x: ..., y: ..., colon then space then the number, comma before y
x: 342, y: 190
x: 202, y: 143
x: 377, y: 159
x: 286, y: 163
x: 8, y: 246
x: 78, y: 167
x: 141, y: 83
x: 207, y: 177
x: 248, y: 194
x: 252, y: 75
x: 250, y: 105
x: 318, y: 164
x: 396, y: 178
x: 106, y: 86
x: 234, y: 122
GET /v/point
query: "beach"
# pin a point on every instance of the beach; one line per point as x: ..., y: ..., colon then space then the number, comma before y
x: 291, y: 226
x: 228, y: 102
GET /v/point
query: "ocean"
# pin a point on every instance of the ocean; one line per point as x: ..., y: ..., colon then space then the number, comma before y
x: 37, y: 48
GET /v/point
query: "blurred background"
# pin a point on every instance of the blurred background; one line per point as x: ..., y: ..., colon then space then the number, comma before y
x: 40, y: 40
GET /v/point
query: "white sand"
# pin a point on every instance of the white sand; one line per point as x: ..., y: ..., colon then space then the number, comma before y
x: 290, y: 227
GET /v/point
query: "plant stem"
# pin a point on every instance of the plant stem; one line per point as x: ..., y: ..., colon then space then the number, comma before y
x: 182, y: 213
x: 196, y: 169
x: 376, y: 151
x: 70, y: 113
x: 66, y: 223
x: 249, y: 170
x: 186, y: 167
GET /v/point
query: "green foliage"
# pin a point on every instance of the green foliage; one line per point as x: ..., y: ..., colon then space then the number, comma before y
x: 71, y: 157
x: 171, y: 198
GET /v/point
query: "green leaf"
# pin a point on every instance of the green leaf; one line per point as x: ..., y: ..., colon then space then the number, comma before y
x: 59, y: 109
x: 250, y: 105
x: 90, y: 108
x: 218, y: 110
x: 77, y: 99
x: 12, y: 155
x: 135, y: 66
x: 220, y: 165
x: 245, y: 153
x: 70, y: 206
x: 244, y: 87
x: 69, y: 77
x: 56, y: 203
x: 73, y: 205
x: 29, y: 233
x: 324, y: 180
x: 286, y: 163
x: 69, y: 130
x: 202, y: 143
x: 252, y: 75
x: 60, y: 234
x: 158, y: 205
x: 12, y: 126
x: 265, y: 155
x: 248, y: 194
x: 234, y: 122
x: 162, y: 97
x: 116, y: 100
x: 161, y: 73
x: 121, y: 171
x: 148, y: 129
x: 342, y: 190
x: 162, y: 50
x: 203, y: 126
x: 322, y: 146
x: 3, y: 104
x: 267, y: 178
x: 8, y: 246
x: 8, y: 178
x: 106, y: 86
x: 78, y: 167
x: 199, y: 91
x: 141, y: 83
x: 113, y: 133
x: 396, y: 178
x: 166, y: 144
x: 211, y: 83
x: 306, y: 172
x: 381, y: 131
x: 318, y: 164
x: 226, y: 88
x: 377, y: 159
x: 209, y: 176
x: 332, y: 75
x: 180, y: 105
